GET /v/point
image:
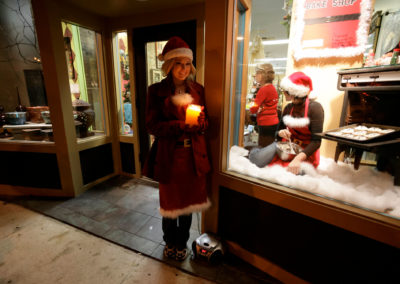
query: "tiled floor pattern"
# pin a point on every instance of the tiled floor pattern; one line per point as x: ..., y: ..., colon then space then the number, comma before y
x: 125, y: 211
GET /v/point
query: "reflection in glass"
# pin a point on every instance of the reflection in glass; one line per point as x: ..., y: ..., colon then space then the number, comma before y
x: 153, y: 66
x: 83, y: 54
x: 122, y: 82
x: 23, y: 94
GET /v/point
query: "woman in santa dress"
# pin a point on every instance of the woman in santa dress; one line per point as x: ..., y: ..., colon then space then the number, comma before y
x: 178, y: 159
x: 301, y: 119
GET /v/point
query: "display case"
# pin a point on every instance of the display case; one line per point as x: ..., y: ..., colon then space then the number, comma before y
x: 57, y: 142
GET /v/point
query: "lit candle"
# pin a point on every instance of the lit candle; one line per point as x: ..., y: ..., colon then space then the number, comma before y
x: 192, y: 113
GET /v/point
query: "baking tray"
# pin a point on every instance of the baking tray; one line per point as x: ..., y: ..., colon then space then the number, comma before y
x: 379, y: 136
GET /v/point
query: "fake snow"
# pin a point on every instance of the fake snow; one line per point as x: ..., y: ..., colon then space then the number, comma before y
x: 366, y: 187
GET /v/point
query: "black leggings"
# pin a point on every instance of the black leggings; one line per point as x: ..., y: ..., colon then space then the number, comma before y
x: 266, y: 134
x: 177, y: 231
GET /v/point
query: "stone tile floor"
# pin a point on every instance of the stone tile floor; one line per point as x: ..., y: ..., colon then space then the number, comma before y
x: 124, y: 211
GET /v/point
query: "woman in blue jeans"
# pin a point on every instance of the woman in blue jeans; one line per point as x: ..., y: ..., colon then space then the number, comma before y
x: 301, y: 119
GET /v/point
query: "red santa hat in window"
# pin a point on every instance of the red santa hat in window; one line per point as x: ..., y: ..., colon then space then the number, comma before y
x: 175, y: 47
x: 298, y: 84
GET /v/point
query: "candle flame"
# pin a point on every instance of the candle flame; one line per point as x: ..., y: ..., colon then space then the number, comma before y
x: 195, y: 107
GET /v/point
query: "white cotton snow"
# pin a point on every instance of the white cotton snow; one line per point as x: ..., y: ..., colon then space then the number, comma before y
x: 365, y: 187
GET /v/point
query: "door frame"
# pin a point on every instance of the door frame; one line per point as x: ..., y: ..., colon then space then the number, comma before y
x: 187, y: 30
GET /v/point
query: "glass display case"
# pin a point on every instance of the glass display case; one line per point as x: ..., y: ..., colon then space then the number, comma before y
x: 333, y: 210
x: 83, y: 51
x: 122, y: 82
x: 24, y: 111
x: 366, y: 188
x: 53, y: 117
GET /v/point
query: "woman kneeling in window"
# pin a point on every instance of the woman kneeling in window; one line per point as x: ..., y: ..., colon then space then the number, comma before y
x: 302, y: 118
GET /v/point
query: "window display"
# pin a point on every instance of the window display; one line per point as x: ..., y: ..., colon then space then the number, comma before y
x: 362, y: 173
x: 122, y: 82
x: 23, y: 95
x: 83, y: 51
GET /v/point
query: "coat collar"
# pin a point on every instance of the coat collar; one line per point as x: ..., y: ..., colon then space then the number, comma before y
x: 167, y: 88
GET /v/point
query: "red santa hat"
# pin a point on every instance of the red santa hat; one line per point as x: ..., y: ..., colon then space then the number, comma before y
x: 175, y: 47
x: 297, y: 84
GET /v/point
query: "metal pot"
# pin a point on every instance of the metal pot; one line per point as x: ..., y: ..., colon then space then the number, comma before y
x: 284, y: 151
x: 16, y: 117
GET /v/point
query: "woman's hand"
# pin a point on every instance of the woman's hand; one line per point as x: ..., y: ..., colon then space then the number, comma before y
x: 200, y: 126
x: 191, y: 128
x: 285, y: 134
x: 294, y: 166
x: 201, y: 119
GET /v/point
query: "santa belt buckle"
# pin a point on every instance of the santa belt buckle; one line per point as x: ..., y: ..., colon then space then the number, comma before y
x: 185, y: 143
x: 297, y: 141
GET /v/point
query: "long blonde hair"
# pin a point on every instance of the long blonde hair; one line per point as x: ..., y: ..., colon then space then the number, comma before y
x: 267, y: 72
x: 167, y: 66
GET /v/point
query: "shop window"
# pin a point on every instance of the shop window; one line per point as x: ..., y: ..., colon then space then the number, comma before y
x: 83, y: 51
x: 153, y: 67
x: 268, y: 43
x: 122, y: 82
x: 261, y: 43
x: 24, y: 113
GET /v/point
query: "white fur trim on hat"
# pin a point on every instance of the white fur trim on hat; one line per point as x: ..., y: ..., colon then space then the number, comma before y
x: 295, y: 122
x: 177, y: 52
x: 294, y: 89
x: 187, y: 210
x: 182, y: 99
x: 312, y: 95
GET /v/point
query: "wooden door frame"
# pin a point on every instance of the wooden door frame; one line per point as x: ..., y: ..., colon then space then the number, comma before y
x: 140, y: 36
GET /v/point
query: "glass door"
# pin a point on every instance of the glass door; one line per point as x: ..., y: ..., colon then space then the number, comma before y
x: 153, y: 67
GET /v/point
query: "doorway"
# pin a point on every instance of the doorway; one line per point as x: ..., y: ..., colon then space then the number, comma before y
x: 141, y: 37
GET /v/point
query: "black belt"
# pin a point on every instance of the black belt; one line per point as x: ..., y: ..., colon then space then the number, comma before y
x: 184, y: 143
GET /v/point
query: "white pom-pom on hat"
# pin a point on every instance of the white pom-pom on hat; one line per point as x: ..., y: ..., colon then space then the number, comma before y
x: 175, y: 47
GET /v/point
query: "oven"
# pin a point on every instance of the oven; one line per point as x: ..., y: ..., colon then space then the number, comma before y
x: 371, y: 103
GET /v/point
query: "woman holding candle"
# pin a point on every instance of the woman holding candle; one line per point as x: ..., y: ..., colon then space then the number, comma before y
x: 178, y: 158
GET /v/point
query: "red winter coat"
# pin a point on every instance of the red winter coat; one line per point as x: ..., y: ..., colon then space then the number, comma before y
x: 166, y: 122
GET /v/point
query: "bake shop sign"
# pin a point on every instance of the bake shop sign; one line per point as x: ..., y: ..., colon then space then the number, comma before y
x: 331, y: 28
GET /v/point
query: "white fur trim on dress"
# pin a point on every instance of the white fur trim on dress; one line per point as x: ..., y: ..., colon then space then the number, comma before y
x: 187, y: 210
x: 295, y: 122
x: 294, y: 89
x: 182, y: 99
x: 177, y: 52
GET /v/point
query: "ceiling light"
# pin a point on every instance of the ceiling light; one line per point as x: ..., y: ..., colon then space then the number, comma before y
x: 274, y: 42
x: 269, y: 59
